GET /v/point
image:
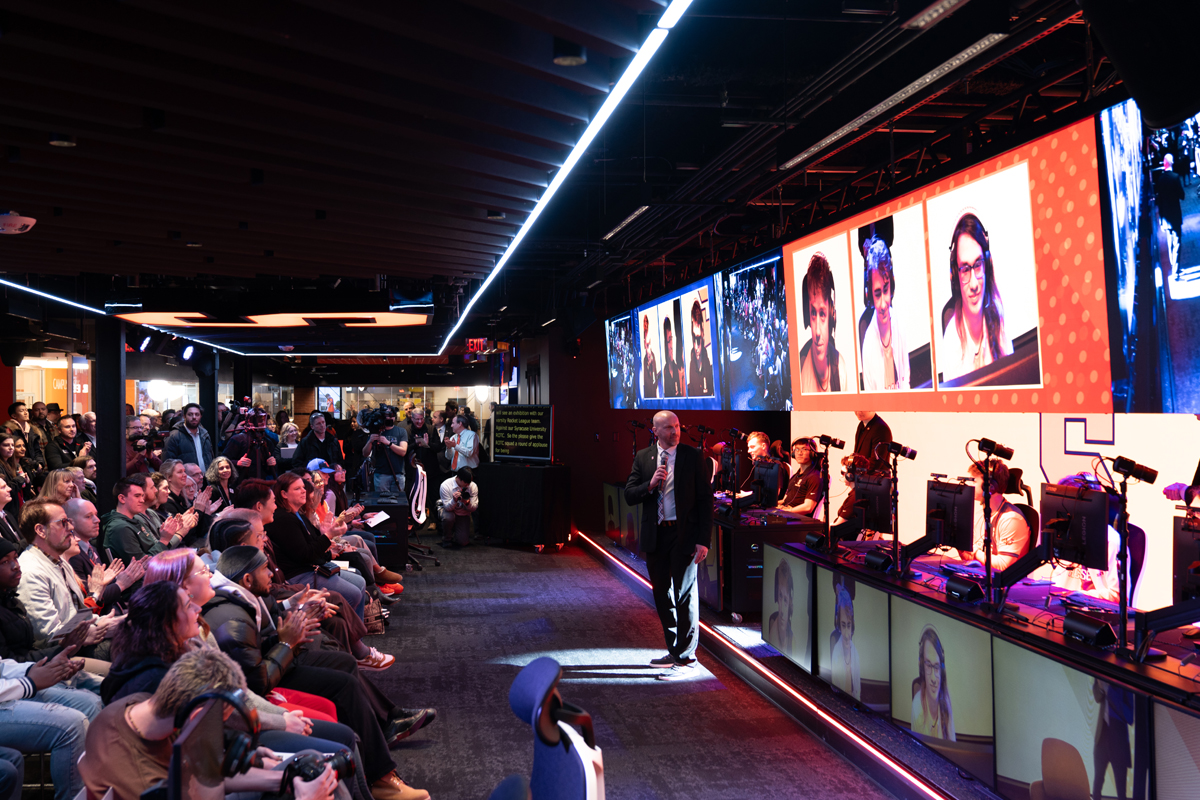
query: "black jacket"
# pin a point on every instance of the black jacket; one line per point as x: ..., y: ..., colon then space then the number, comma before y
x: 60, y: 454
x: 693, y: 496
x: 298, y: 546
x: 141, y: 675
x: 262, y: 657
x: 17, y: 638
x: 310, y: 448
x: 260, y: 450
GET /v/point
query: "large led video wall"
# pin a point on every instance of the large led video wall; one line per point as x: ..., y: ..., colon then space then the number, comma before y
x: 1152, y: 242
x: 719, y: 343
x: 981, y: 291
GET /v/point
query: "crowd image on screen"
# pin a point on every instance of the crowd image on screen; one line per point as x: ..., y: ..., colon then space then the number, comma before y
x: 759, y: 368
x: 622, y: 364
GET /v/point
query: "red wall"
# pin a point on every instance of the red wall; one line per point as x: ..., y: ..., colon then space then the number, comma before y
x: 8, y: 387
x: 593, y: 439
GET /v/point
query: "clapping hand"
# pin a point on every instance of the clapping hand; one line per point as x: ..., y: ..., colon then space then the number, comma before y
x: 133, y: 573
x: 102, y: 576
x: 52, y: 671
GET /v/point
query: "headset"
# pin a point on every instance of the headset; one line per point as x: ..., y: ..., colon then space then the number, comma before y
x: 240, y: 748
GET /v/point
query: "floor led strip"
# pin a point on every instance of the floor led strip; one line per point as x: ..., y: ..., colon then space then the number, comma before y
x: 910, y: 777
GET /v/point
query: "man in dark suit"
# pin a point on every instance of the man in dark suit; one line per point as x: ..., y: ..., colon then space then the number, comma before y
x: 8, y: 522
x: 673, y: 484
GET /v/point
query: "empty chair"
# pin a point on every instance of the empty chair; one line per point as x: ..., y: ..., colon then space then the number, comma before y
x: 1063, y: 775
x: 514, y: 787
x: 567, y: 765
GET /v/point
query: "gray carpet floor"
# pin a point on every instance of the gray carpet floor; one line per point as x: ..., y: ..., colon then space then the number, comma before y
x: 462, y: 631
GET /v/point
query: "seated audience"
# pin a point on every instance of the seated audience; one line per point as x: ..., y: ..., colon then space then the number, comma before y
x: 12, y: 774
x: 38, y: 715
x: 49, y: 589
x: 85, y: 479
x: 68, y: 445
x: 8, y: 519
x: 129, y: 744
x: 127, y: 531
x: 106, y: 584
x: 28, y: 434
x: 301, y: 549
x: 222, y: 476
x: 460, y: 498
x: 19, y: 482
x: 59, y: 486
x: 244, y: 527
x: 1010, y: 532
x: 270, y: 649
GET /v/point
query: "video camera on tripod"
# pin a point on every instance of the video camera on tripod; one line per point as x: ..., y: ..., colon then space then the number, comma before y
x: 374, y: 420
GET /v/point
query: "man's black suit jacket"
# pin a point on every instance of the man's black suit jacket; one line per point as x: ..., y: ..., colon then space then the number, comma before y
x: 693, y: 496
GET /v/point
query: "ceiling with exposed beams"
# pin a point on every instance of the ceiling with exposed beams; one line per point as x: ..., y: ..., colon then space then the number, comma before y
x: 311, y: 156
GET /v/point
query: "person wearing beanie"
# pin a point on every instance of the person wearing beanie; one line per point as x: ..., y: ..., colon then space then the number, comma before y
x: 269, y: 647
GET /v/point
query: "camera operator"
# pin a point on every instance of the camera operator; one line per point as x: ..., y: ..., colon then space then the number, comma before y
x: 460, y: 498
x: 389, y: 442
x: 138, y: 456
x: 255, y: 455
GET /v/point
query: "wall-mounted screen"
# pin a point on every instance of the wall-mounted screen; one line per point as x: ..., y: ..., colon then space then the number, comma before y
x: 623, y: 362
x: 979, y: 290
x: 752, y: 310
x: 942, y: 685
x: 788, y: 605
x: 1152, y: 264
x: 853, y: 648
x: 889, y: 273
x: 1176, y: 754
x: 676, y: 341
x: 329, y: 400
x: 1063, y: 733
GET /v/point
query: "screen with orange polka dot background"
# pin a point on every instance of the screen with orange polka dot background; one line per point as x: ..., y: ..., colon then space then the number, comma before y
x: 1044, y: 343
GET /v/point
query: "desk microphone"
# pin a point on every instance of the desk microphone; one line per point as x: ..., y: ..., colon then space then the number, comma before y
x: 705, y: 429
x: 735, y: 433
x: 637, y: 424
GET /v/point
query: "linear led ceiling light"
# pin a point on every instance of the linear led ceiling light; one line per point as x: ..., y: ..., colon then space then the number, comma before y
x: 640, y: 210
x: 654, y: 41
x: 900, y: 96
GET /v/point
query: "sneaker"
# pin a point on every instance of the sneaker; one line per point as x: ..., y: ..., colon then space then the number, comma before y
x: 390, y: 787
x: 680, y: 671
x: 376, y: 661
x: 404, y: 726
x: 666, y: 661
x: 390, y: 589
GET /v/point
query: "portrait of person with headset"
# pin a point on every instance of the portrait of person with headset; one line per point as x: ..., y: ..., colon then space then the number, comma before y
x: 973, y: 330
x: 822, y: 368
x: 885, y: 364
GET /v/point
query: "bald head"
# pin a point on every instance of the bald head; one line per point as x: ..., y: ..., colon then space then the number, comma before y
x: 666, y: 428
x: 84, y: 517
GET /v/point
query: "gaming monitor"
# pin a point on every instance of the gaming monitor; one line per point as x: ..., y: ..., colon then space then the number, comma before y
x: 950, y: 509
x: 874, y: 495
x: 1077, y: 518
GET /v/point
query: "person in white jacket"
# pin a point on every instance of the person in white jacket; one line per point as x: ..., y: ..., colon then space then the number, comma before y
x: 460, y: 499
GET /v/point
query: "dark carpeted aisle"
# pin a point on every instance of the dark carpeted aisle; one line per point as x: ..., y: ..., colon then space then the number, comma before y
x: 463, y: 630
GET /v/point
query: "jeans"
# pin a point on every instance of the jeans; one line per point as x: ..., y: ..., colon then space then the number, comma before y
x: 326, y: 737
x: 31, y: 726
x: 12, y: 774
x: 387, y: 483
x: 82, y: 700
x: 350, y: 586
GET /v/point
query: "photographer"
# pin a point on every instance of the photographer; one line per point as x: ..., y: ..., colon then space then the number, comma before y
x: 129, y: 745
x: 389, y: 442
x: 138, y: 457
x: 255, y: 455
x: 460, y: 498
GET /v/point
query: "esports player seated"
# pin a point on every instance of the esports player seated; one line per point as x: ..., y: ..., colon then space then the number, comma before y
x: 1010, y: 532
x: 767, y: 474
x: 804, y: 489
x: 1104, y: 585
x: 129, y: 745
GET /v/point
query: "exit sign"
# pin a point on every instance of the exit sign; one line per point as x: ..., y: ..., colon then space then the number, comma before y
x: 477, y: 345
